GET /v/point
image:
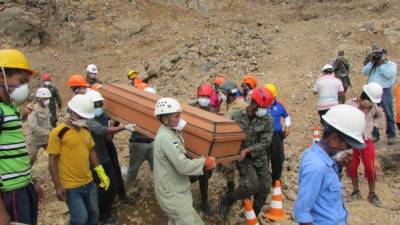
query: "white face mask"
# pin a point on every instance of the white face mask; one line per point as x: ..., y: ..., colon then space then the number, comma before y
x: 79, y: 122
x: 182, y: 123
x: 47, y: 83
x: 20, y: 93
x: 261, y: 112
x: 46, y: 102
x: 203, y: 101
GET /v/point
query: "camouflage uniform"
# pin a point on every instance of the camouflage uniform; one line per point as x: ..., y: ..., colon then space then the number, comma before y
x: 55, y: 102
x: 255, y: 178
x: 341, y: 68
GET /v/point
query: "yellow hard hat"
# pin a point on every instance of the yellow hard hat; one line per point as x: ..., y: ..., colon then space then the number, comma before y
x: 272, y: 88
x: 12, y: 58
x: 132, y: 74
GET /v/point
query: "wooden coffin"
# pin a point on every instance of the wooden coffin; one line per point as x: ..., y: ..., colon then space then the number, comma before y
x: 205, y: 134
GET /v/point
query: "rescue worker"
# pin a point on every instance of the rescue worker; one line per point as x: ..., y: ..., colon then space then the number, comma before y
x: 367, y: 103
x: 204, y: 93
x: 19, y: 192
x: 134, y: 80
x: 341, y: 68
x: 99, y: 133
x: 172, y: 168
x: 330, y: 90
x: 255, y: 179
x: 319, y: 196
x: 214, y: 101
x: 71, y: 153
x: 249, y: 82
x: 78, y: 84
x: 39, y: 123
x: 55, y: 100
x: 276, y: 150
x: 229, y: 103
x: 140, y: 149
x: 91, y: 75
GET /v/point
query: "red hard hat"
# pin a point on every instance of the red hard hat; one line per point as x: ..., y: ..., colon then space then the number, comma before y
x: 205, y: 90
x: 46, y: 77
x: 77, y: 80
x: 262, y: 96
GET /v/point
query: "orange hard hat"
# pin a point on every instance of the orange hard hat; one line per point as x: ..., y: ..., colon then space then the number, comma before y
x: 77, y: 80
x: 46, y: 77
x: 250, y: 80
x: 262, y: 96
x: 204, y: 90
x: 219, y: 80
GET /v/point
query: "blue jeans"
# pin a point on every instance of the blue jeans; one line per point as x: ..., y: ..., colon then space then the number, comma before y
x: 387, y: 105
x: 82, y: 205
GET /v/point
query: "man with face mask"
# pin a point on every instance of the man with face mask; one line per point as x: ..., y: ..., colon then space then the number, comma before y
x: 39, y: 123
x: 319, y: 196
x: 71, y: 154
x: 78, y: 84
x: 55, y: 100
x: 255, y: 179
x: 204, y: 93
x: 99, y: 129
x: 367, y: 103
x: 20, y: 194
x: 91, y: 74
x: 172, y: 168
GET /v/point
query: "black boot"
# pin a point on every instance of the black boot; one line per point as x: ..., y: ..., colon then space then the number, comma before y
x: 203, y: 181
x: 231, y: 186
x: 206, y: 208
x: 225, y: 205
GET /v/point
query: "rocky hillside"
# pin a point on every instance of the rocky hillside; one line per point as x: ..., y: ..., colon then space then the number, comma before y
x: 177, y: 44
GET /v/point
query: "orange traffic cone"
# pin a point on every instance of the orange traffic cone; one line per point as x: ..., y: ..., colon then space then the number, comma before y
x: 275, y: 212
x: 317, y: 134
x: 251, y: 218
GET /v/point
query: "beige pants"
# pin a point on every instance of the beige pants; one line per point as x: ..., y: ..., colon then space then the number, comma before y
x: 34, y: 150
x: 229, y: 171
x: 185, y: 216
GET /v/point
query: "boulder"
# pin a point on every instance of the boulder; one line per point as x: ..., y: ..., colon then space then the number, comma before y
x: 20, y: 27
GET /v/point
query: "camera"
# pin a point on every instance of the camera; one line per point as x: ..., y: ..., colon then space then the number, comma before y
x: 376, y: 57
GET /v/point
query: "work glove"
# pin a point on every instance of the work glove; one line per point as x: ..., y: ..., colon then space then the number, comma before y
x: 130, y: 127
x: 209, y: 163
x: 104, y: 180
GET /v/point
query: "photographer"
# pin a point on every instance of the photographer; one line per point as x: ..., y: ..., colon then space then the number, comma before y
x: 383, y: 71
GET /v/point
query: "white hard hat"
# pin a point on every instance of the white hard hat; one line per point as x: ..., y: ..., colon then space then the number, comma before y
x: 94, y: 95
x: 150, y: 90
x: 91, y: 68
x: 82, y: 105
x: 326, y: 67
x: 374, y: 91
x: 350, y: 121
x: 43, y: 93
x: 167, y: 106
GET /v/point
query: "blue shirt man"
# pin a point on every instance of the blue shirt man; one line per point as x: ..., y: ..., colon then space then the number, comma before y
x: 383, y: 72
x: 319, y: 197
x: 277, y: 112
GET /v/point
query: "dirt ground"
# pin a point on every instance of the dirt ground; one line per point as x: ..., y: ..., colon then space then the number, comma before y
x: 284, y: 42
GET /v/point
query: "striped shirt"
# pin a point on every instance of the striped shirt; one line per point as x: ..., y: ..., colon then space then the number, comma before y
x: 15, y: 168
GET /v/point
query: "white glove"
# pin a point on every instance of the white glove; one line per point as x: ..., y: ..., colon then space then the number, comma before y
x: 130, y: 127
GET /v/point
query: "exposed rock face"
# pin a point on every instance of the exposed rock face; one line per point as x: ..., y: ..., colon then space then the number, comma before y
x: 20, y: 27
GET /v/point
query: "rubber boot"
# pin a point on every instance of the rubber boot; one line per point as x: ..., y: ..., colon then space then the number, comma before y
x: 225, y: 205
x: 203, y: 181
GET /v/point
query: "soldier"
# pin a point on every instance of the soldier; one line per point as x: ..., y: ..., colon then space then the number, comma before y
x: 39, y: 123
x: 55, y: 100
x: 341, y: 68
x: 172, y: 168
x: 255, y: 179
x: 229, y: 103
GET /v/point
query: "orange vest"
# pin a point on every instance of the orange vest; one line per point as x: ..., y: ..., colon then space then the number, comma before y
x: 139, y: 84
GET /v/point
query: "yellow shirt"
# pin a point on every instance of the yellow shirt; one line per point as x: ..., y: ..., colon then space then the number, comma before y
x: 73, y: 150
